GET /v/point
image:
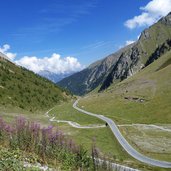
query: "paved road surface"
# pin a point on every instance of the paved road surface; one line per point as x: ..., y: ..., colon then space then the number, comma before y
x: 130, y: 150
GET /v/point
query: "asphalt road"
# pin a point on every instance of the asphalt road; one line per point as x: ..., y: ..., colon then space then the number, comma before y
x: 123, y: 142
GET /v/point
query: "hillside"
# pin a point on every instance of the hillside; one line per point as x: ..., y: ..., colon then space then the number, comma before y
x: 142, y: 98
x: 24, y: 89
x: 124, y: 63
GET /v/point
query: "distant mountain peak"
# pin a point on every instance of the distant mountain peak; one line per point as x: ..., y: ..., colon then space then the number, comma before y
x: 54, y: 77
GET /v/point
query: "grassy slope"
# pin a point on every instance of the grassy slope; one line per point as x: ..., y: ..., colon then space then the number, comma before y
x: 65, y: 111
x: 152, y: 84
x: 23, y: 89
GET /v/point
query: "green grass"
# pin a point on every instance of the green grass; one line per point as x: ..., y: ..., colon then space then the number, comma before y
x: 9, y: 114
x: 65, y: 111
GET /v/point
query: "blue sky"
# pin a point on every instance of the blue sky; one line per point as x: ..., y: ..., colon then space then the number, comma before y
x: 86, y: 30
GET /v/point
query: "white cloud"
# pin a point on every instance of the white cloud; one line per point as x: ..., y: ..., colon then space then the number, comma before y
x: 4, y: 49
x: 54, y: 64
x: 152, y: 12
x: 128, y: 42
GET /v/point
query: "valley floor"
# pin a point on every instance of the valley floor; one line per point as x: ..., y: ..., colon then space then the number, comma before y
x: 139, y: 135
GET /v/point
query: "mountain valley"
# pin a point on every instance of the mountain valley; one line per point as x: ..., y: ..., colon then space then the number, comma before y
x: 73, y: 121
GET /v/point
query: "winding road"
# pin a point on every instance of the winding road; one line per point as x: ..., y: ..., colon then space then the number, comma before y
x: 76, y: 125
x: 73, y: 124
x: 124, y: 143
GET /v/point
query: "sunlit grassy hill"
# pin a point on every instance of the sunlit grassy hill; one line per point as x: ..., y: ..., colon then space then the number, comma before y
x: 142, y: 98
x: 24, y: 89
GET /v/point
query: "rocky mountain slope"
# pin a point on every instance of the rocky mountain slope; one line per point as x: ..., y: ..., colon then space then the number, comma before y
x: 24, y: 89
x: 154, y: 41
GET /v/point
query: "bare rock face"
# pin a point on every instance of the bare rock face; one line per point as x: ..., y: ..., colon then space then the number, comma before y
x: 153, y: 42
x: 127, y: 65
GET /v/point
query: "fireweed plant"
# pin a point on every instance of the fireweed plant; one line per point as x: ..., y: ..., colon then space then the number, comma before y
x: 50, y: 145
